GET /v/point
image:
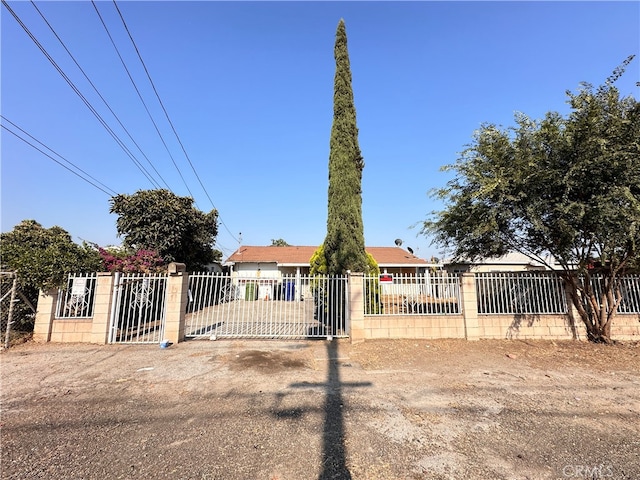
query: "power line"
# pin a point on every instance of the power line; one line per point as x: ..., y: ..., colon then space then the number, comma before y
x: 98, y: 93
x: 167, y: 116
x: 99, y: 117
x: 140, y: 96
x: 111, y: 192
x: 81, y: 96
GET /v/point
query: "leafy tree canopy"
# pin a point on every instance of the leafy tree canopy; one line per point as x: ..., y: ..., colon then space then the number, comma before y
x: 279, y: 243
x: 163, y: 222
x: 564, y: 185
x: 43, y: 257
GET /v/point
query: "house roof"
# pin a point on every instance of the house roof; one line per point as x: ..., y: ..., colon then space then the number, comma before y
x: 511, y: 258
x: 300, y: 256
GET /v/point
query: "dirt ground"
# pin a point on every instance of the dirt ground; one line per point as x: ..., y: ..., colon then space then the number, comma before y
x: 445, y: 409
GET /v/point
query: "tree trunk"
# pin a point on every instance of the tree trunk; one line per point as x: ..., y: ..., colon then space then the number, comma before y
x: 595, y: 317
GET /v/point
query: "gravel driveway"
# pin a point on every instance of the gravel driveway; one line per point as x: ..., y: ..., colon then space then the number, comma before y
x: 445, y: 409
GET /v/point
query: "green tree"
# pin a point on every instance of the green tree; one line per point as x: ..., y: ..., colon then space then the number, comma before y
x: 279, y: 243
x: 43, y: 257
x: 344, y: 244
x: 161, y: 221
x: 566, y: 186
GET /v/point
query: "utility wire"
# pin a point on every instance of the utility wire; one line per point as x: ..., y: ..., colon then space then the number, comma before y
x: 81, y: 96
x: 167, y: 116
x: 110, y: 193
x: 140, y: 97
x: 56, y: 153
x: 97, y: 92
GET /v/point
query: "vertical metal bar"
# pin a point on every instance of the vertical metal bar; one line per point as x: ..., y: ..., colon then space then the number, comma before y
x: 633, y: 293
x: 143, y: 307
x: 115, y: 294
x: 61, y: 300
x: 133, y: 315
x: 490, y: 289
x: 14, y: 289
x: 480, y: 293
x: 163, y: 313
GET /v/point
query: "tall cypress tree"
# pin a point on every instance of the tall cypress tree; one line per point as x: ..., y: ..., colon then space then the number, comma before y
x: 344, y: 247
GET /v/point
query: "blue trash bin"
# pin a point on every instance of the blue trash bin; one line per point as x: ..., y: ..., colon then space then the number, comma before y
x: 290, y: 291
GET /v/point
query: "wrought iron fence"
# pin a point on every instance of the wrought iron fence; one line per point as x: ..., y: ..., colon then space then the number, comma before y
x: 520, y: 293
x: 77, y: 298
x: 282, y: 306
x: 628, y: 287
x: 433, y: 293
x: 139, y: 309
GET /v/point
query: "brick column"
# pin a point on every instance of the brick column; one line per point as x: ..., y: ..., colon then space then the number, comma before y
x: 469, y: 306
x: 46, y: 312
x: 102, y: 308
x: 356, y: 306
x: 177, y: 298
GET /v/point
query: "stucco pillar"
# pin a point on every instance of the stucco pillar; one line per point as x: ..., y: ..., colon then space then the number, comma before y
x: 469, y: 306
x: 102, y: 308
x: 177, y: 299
x: 356, y: 307
x: 45, y: 313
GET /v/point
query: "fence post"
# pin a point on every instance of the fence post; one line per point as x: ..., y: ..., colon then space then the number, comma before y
x: 46, y: 312
x: 12, y: 302
x: 102, y: 308
x: 356, y: 306
x: 469, y: 306
x: 177, y: 298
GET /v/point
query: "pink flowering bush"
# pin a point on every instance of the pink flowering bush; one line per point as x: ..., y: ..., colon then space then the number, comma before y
x: 142, y: 261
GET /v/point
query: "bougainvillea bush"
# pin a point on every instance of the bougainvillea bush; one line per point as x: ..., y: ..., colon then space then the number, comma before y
x: 142, y: 261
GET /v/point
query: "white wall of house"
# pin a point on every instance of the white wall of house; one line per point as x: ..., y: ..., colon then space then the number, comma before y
x: 252, y: 270
x: 512, y: 262
x: 268, y: 277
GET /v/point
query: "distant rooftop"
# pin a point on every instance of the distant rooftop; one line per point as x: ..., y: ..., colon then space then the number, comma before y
x: 301, y: 255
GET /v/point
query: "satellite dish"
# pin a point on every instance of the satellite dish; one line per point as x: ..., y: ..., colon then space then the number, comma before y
x: 398, y: 242
x: 410, y: 250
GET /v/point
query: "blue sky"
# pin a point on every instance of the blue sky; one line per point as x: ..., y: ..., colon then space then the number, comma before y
x: 248, y: 87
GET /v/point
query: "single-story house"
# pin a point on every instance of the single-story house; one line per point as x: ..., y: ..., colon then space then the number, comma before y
x: 511, y: 262
x: 273, y: 261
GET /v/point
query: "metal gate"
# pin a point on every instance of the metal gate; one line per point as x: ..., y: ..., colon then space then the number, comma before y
x: 293, y: 306
x: 138, y: 309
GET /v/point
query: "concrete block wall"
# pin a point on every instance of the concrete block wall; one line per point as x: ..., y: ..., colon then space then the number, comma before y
x: 45, y: 314
x: 626, y: 327
x: 414, y: 326
x: 469, y: 324
x: 48, y: 328
x: 102, y: 308
x: 552, y: 327
x: 177, y: 298
x: 474, y: 326
x: 72, y: 330
x: 548, y: 327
